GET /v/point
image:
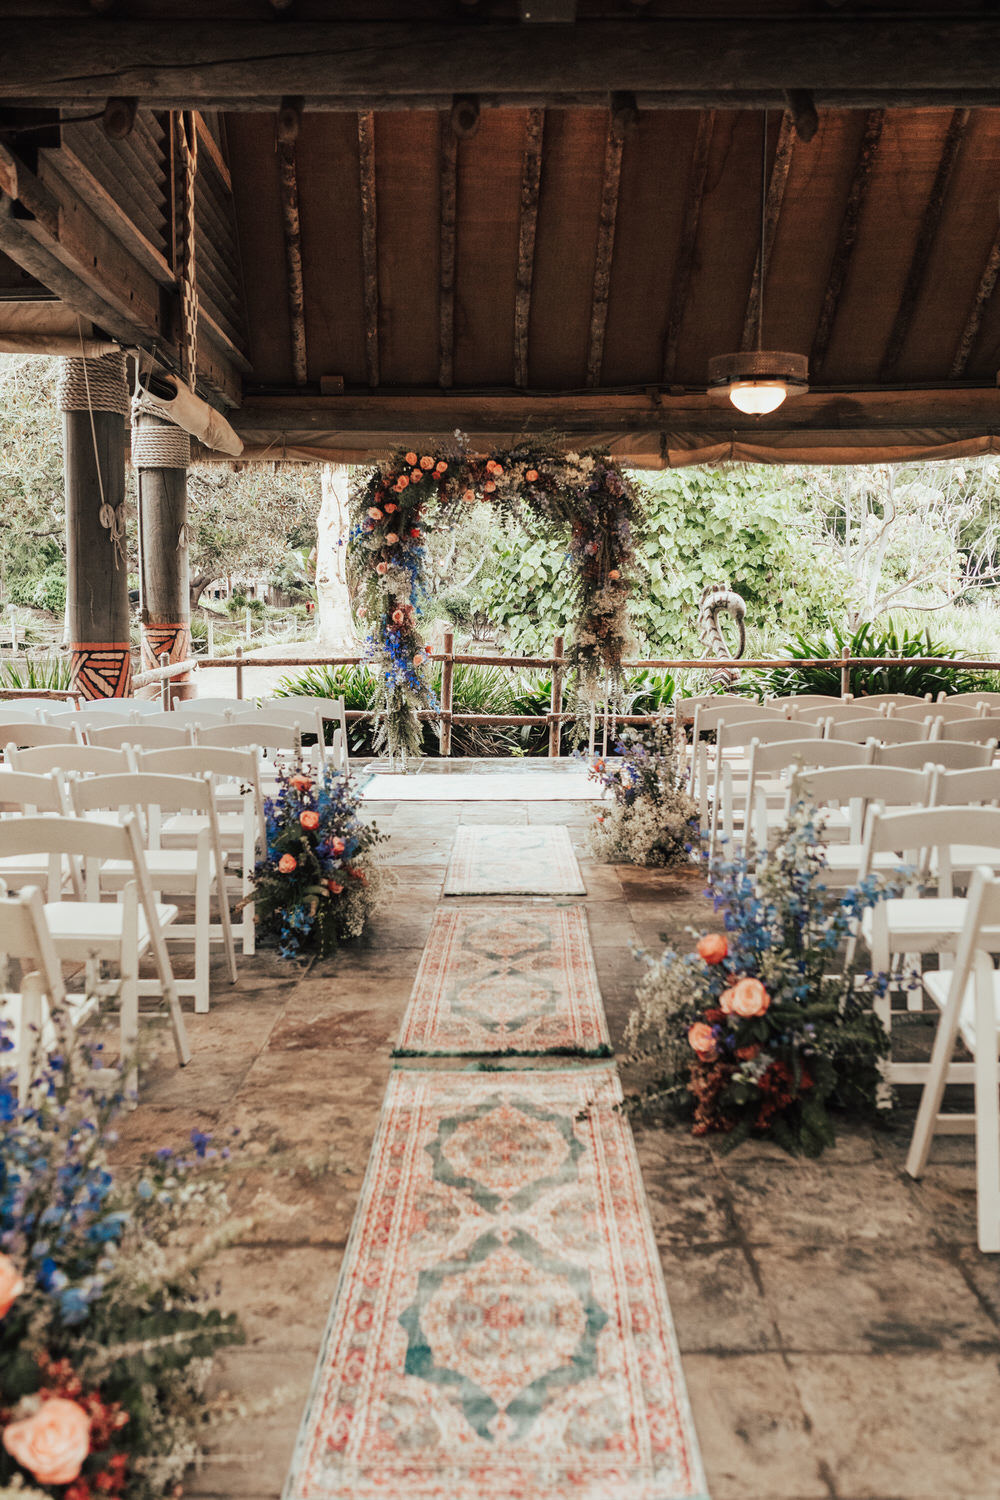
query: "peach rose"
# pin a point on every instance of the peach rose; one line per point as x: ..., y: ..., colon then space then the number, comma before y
x: 614, y: 573
x: 309, y: 819
x: 402, y: 482
x: 382, y: 567
x: 334, y: 887
x: 726, y: 1002
x: 750, y: 999
x: 392, y: 537
x: 531, y: 475
x: 416, y: 476
x: 713, y: 948
x: 702, y: 1040
x: 287, y: 863
x: 11, y: 1284
x: 469, y: 496
x: 418, y: 659
x: 440, y: 467
x: 411, y: 459
x: 489, y: 486
x: 398, y: 616
x: 338, y: 846
x: 53, y: 1443
x: 426, y: 463
x: 300, y: 783
x: 375, y: 513
x: 391, y: 508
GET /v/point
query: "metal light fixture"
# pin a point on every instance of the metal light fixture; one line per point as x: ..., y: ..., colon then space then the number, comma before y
x: 758, y: 380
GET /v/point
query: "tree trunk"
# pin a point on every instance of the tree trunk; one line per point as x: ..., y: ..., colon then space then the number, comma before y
x: 197, y: 584
x: 334, y: 619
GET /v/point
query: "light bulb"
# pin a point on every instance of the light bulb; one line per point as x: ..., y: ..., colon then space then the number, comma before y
x: 758, y: 397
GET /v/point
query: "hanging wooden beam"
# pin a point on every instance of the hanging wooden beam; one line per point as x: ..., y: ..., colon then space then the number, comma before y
x: 984, y: 291
x: 605, y: 251
x: 251, y: 63
x: 688, y: 241
x: 957, y: 128
x: 777, y: 183
x: 369, y: 241
x: 531, y: 178
x: 448, y: 175
x: 839, y: 266
x: 291, y: 226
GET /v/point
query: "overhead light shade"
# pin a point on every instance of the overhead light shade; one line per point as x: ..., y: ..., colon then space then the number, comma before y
x: 758, y: 380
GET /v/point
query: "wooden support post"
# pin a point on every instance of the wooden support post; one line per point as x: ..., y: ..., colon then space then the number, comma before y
x: 555, y: 702
x: 447, y: 672
x: 845, y: 673
x: 164, y: 681
x: 211, y: 639
x: 96, y: 572
x: 163, y: 563
x: 239, y: 671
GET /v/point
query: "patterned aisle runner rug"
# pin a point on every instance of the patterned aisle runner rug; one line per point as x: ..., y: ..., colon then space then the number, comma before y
x: 501, y: 1329
x: 505, y: 861
x: 518, y: 979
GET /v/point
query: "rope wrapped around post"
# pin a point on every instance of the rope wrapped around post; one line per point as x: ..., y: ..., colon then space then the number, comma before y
x: 157, y: 442
x: 98, y: 385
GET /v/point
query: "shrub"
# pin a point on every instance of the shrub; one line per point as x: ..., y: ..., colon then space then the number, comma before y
x: 870, y: 640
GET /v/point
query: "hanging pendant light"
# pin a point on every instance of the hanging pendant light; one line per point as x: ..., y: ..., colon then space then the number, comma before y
x: 758, y: 380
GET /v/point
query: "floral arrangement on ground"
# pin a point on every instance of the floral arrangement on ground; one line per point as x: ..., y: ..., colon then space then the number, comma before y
x: 319, y: 880
x: 584, y: 496
x: 106, y: 1338
x: 763, y: 1031
x: 651, y: 819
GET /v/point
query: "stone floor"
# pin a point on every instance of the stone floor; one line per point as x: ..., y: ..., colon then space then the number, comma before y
x: 840, y: 1332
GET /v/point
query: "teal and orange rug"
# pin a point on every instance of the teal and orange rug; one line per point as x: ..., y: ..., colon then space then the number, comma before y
x: 502, y: 861
x: 501, y: 1330
x: 516, y: 979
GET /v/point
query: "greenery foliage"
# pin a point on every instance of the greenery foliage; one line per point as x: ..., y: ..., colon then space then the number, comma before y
x: 870, y: 640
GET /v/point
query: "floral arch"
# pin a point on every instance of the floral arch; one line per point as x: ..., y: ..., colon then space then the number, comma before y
x: 586, y: 498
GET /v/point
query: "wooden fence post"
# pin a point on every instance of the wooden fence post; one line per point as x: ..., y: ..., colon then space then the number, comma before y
x: 555, y: 708
x: 211, y: 638
x: 845, y: 673
x: 239, y: 671
x: 164, y: 682
x: 447, y: 670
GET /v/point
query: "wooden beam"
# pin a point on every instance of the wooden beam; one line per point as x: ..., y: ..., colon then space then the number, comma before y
x: 251, y: 64
x: 688, y: 241
x: 369, y: 241
x: 610, y: 183
x: 772, y: 212
x: 839, y: 266
x: 984, y: 291
x: 531, y: 178
x: 957, y: 128
x: 448, y: 177
x: 292, y: 229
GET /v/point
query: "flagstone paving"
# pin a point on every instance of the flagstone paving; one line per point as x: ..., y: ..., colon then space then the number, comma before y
x: 840, y: 1332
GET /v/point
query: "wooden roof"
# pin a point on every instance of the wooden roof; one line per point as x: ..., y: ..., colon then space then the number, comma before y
x: 568, y: 264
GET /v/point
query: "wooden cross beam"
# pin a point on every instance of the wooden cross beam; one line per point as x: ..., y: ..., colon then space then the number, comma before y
x: 369, y: 241
x: 772, y: 212
x: 839, y: 266
x: 293, y: 257
x: 610, y: 183
x: 689, y: 239
x: 531, y: 178
x: 448, y: 177
x: 984, y: 291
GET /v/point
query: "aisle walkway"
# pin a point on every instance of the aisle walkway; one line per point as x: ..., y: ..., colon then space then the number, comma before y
x: 839, y: 1332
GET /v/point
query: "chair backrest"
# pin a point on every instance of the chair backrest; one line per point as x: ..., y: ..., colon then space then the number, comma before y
x: 685, y: 708
x: 975, y: 731
x: 771, y: 758
x: 928, y: 830
x: 142, y: 736
x: 192, y: 760
x: 796, y: 701
x: 866, y: 784
x: 87, y: 760
x: 23, y: 710
x: 141, y: 790
x: 25, y: 935
x: 220, y: 706
x: 707, y: 718
x: 32, y: 732
x: 97, y: 717
x: 249, y: 733
x: 774, y: 731
x: 189, y: 718
x: 836, y: 712
x: 946, y: 710
x: 25, y: 789
x: 75, y: 837
x: 875, y: 727
x: 876, y: 700
x: 913, y: 755
x: 992, y: 700
x: 963, y: 788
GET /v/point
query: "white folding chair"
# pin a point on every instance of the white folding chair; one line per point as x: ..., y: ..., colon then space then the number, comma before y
x: 765, y: 803
x: 739, y: 737
x: 86, y: 760
x: 241, y: 830
x: 876, y: 727
x: 34, y: 732
x: 93, y: 931
x: 915, y: 754
x: 25, y: 937
x: 875, y: 701
x: 273, y: 739
x: 849, y: 792
x: 327, y: 711
x: 146, y: 736
x: 25, y: 792
x: 976, y: 731
x: 968, y: 998
x: 707, y: 718
x: 194, y: 872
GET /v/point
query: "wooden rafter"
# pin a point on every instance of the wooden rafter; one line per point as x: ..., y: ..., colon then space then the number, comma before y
x: 839, y: 266
x: 605, y: 252
x: 369, y: 241
x: 448, y: 174
x: 531, y: 178
x: 291, y: 225
x: 688, y: 241
x: 984, y: 291
x: 777, y: 183
x: 957, y: 128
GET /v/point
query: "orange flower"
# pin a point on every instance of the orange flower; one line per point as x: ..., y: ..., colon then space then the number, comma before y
x: 531, y: 475
x: 440, y: 467
x: 398, y: 616
x: 416, y: 476
x: 411, y: 459
x: 309, y: 819
x: 334, y: 887
x: 614, y: 573
x: 713, y: 948
x: 469, y: 496
x: 418, y: 659
x: 493, y: 467
x: 287, y: 863
x: 299, y: 782
x: 375, y: 513
x: 52, y: 1443
x: 750, y: 999
x: 402, y: 482
x: 426, y: 463
x: 11, y: 1285
x: 489, y: 486
x: 391, y: 537
x: 726, y: 1002
x: 391, y: 508
x: 338, y: 846
x: 382, y: 567
x: 702, y: 1040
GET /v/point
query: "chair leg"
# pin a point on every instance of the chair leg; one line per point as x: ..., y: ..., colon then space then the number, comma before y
x: 30, y: 1031
x: 226, y: 921
x: 128, y: 969
x: 987, y: 1111
x: 202, y: 934
x: 932, y: 1095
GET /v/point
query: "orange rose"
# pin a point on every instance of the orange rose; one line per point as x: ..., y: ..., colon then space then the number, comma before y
x: 418, y: 659
x: 531, y: 475
x: 338, y: 846
x: 713, y: 948
x: 299, y: 782
x: 334, y: 887
x: 750, y: 999
x: 287, y: 863
x: 411, y: 459
x: 382, y: 567
x: 375, y: 513
x: 11, y: 1284
x: 489, y: 486
x: 402, y: 482
x: 309, y: 819
x: 416, y: 476
x: 426, y: 463
x: 469, y: 496
x: 702, y: 1041
x: 614, y: 573
x: 726, y: 1002
x: 52, y: 1443
x: 391, y: 537
x: 440, y: 467
x: 391, y: 508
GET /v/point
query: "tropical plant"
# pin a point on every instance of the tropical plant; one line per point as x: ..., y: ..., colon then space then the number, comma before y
x: 49, y: 672
x: 869, y: 640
